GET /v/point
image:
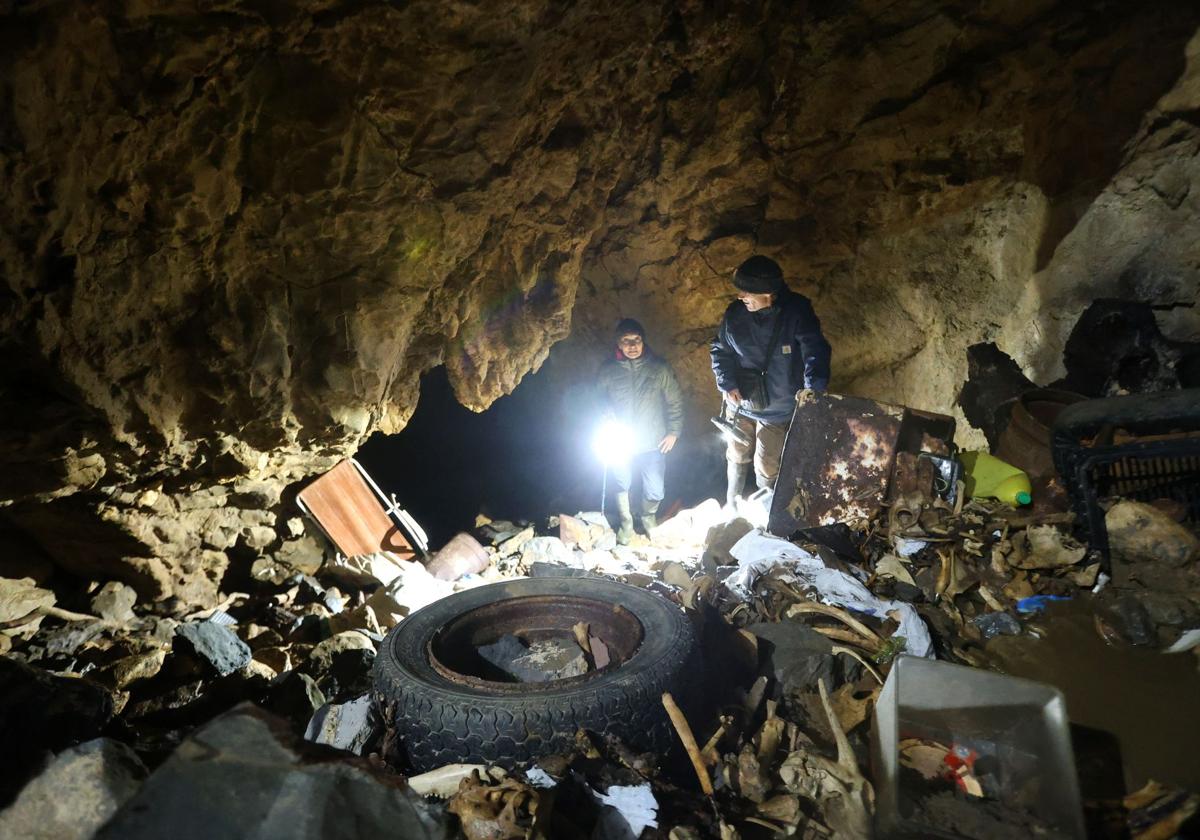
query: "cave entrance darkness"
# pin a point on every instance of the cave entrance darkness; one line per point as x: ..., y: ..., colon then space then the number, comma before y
x: 527, y: 457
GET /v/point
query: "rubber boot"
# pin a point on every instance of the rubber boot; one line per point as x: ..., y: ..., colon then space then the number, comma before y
x: 735, y: 477
x: 649, y: 516
x: 625, y: 532
x: 763, y: 482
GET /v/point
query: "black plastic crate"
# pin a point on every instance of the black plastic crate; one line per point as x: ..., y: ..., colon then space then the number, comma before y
x: 1143, y: 470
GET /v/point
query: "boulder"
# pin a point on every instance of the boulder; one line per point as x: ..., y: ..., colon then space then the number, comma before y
x: 76, y: 794
x: 21, y: 603
x: 244, y: 775
x: 1141, y: 533
x: 20, y: 599
x: 114, y: 602
x: 216, y: 645
x: 342, y: 663
x: 42, y: 713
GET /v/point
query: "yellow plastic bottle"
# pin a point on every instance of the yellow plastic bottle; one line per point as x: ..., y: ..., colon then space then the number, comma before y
x: 988, y: 477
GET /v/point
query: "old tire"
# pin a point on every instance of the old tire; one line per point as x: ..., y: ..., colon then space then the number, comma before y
x: 435, y: 719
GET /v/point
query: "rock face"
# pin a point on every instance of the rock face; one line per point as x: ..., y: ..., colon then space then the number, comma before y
x: 231, y: 242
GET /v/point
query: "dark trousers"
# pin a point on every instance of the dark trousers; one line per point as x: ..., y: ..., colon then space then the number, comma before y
x: 653, y: 467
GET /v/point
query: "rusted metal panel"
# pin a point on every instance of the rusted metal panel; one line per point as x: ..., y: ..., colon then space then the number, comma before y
x: 839, y: 457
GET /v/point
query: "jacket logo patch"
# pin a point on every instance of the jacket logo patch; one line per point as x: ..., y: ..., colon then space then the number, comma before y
x: 787, y: 349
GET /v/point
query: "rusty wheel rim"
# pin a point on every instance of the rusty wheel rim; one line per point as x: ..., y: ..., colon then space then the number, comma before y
x: 452, y: 651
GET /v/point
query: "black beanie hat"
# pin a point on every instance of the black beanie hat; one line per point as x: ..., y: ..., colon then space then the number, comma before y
x: 628, y: 326
x: 759, y: 275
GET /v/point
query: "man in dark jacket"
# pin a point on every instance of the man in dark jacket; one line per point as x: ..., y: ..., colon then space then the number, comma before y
x: 769, y: 346
x: 640, y: 389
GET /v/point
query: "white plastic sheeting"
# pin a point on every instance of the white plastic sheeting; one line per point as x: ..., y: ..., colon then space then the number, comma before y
x: 758, y: 552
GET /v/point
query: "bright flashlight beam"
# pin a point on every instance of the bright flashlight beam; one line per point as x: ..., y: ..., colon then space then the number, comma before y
x: 613, y: 442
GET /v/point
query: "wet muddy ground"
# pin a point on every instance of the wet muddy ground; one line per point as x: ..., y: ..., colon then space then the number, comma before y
x: 1148, y: 700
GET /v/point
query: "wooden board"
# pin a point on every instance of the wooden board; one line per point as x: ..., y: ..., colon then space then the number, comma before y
x: 352, y: 515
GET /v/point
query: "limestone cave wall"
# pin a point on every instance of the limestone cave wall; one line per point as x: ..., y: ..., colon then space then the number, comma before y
x: 233, y: 236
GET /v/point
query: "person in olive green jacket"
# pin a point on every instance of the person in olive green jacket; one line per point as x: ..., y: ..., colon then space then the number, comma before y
x: 639, y: 388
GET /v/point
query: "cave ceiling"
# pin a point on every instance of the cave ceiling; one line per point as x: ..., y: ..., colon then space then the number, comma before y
x: 233, y: 239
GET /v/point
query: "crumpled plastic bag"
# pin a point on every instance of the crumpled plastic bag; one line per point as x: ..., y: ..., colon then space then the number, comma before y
x: 757, y: 552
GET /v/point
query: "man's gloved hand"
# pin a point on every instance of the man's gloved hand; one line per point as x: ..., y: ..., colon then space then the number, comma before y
x: 734, y: 396
x: 667, y: 444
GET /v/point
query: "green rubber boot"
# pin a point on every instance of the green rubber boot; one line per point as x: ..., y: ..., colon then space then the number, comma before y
x: 735, y: 481
x: 625, y: 532
x: 649, y: 515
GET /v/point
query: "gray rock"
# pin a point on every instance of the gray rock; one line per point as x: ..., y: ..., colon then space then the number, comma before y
x: 719, y: 539
x: 675, y: 574
x: 517, y: 542
x: 66, y: 640
x: 542, y: 661
x: 41, y: 713
x: 295, y: 696
x: 352, y: 726
x: 302, y: 554
x: 995, y: 624
x: 552, y: 659
x: 1126, y: 615
x: 76, y: 794
x: 259, y: 537
x: 557, y: 570
x: 502, y: 652
x: 1169, y: 608
x: 342, y: 664
x: 796, y: 655
x: 244, y: 775
x: 545, y: 550
x: 215, y: 644
x: 497, y: 532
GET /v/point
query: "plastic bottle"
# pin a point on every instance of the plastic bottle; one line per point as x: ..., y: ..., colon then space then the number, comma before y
x: 990, y: 478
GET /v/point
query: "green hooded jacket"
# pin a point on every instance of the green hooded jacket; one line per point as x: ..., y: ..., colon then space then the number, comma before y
x: 645, y: 394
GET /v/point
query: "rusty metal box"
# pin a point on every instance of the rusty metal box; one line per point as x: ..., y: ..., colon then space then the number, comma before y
x: 840, y: 455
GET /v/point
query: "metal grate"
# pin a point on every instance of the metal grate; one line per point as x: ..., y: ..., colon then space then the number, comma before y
x: 1143, y: 472
x: 1151, y: 477
x: 1157, y: 455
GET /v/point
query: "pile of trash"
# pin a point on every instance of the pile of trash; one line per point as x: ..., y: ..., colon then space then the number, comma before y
x: 802, y: 633
x: 977, y: 572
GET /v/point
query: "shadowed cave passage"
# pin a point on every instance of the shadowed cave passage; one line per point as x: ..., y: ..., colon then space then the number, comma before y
x: 527, y: 457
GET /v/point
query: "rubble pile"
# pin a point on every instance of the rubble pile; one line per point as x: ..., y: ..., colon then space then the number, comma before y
x: 973, y: 573
x: 803, y: 634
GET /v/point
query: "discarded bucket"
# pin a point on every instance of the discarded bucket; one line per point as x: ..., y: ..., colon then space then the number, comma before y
x: 463, y: 555
x: 962, y: 752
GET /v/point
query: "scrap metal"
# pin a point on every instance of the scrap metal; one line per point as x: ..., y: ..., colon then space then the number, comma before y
x: 840, y: 459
